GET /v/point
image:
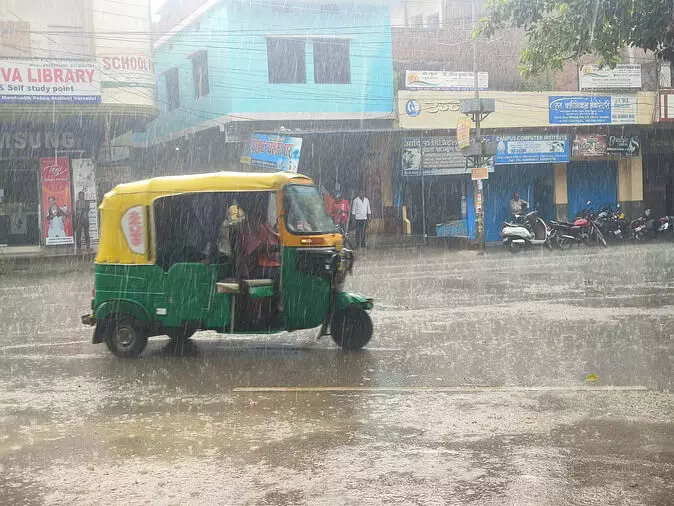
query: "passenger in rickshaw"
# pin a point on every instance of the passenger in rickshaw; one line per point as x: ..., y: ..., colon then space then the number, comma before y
x: 257, y: 247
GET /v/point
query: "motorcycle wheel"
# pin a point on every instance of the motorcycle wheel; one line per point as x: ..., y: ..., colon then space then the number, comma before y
x: 564, y: 244
x: 600, y: 238
x: 514, y: 248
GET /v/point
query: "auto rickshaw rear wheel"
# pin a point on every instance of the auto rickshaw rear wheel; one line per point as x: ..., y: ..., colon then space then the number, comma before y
x: 126, y: 337
x: 351, y: 328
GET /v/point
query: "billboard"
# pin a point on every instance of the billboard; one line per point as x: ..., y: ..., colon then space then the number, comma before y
x: 56, y: 201
x: 438, y: 80
x: 592, y: 110
x: 512, y: 149
x: 49, y: 81
x: 591, y: 77
x: 273, y: 152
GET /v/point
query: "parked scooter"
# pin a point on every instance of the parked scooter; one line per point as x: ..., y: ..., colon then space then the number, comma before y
x: 525, y: 231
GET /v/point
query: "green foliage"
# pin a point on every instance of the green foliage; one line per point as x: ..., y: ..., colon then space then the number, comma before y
x: 560, y: 31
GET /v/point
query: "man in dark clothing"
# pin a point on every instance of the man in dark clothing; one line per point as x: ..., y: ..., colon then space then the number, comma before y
x: 82, y: 220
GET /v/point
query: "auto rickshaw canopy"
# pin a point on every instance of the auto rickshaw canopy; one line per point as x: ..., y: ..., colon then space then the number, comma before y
x: 125, y: 236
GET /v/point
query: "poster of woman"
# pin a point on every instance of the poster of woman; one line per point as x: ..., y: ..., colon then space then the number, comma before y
x: 56, y: 201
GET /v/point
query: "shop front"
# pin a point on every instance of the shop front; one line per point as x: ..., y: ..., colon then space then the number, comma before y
x: 658, y: 166
x: 42, y: 173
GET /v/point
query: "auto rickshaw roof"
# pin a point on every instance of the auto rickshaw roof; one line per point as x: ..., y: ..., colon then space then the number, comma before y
x: 211, y: 182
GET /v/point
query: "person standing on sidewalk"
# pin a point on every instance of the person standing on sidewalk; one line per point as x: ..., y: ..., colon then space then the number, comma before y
x: 361, y: 212
x: 82, y: 220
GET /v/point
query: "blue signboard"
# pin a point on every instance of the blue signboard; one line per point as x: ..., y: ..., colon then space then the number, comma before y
x: 273, y: 152
x: 512, y: 149
x: 579, y: 110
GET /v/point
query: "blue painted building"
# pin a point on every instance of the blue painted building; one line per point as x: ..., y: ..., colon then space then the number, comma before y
x: 271, y: 66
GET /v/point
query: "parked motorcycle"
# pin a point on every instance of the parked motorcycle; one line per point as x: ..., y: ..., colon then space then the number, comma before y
x: 588, y: 221
x: 649, y: 227
x: 525, y: 231
x: 612, y: 224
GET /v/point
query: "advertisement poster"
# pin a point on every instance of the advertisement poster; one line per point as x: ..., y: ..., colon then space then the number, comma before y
x: 592, y: 110
x: 49, y: 81
x: 512, y: 149
x: 591, y: 77
x: 56, y: 201
x: 463, y: 131
x: 590, y: 146
x: 434, y: 156
x: 442, y: 80
x: 624, y: 145
x: 273, y: 152
x: 84, y: 180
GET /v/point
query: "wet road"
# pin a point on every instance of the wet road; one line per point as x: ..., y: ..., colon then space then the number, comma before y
x: 473, y: 390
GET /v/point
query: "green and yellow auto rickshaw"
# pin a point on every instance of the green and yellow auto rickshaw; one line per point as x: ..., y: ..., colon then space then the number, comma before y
x: 238, y: 253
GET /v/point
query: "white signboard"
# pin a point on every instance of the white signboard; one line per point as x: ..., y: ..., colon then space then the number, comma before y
x: 591, y: 77
x: 126, y: 70
x: 84, y: 180
x: 133, y: 226
x: 48, y: 81
x: 624, y: 109
x: 444, y: 80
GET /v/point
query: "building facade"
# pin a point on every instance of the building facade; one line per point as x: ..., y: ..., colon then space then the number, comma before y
x: 563, y: 138
x: 74, y: 75
x: 315, y: 75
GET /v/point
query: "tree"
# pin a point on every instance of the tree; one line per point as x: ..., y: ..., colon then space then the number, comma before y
x: 559, y: 31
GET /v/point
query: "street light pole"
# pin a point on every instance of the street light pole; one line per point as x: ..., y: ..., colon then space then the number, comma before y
x: 477, y: 185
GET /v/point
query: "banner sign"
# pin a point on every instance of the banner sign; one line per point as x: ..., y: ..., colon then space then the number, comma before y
x: 592, y: 110
x: 591, y: 77
x: 624, y: 145
x: 123, y: 70
x: 590, y: 146
x: 273, y: 152
x: 56, y: 201
x: 463, y: 125
x: 49, y: 81
x: 438, y: 80
x: 84, y: 180
x: 435, y: 156
x: 512, y: 149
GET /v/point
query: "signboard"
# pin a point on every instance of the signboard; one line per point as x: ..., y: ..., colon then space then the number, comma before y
x: 590, y: 146
x: 591, y: 77
x: 592, y: 110
x: 273, y: 152
x: 84, y: 180
x: 463, y: 131
x: 438, y: 80
x: 49, y: 81
x: 480, y: 173
x: 123, y: 70
x: 624, y: 145
x: 434, y: 156
x: 512, y: 149
x: 31, y: 140
x: 133, y: 226
x: 56, y: 201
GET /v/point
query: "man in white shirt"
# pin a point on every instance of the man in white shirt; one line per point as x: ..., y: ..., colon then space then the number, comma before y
x: 361, y: 212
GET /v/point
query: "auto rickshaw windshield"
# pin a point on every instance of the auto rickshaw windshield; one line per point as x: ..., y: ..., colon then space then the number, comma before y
x: 305, y: 212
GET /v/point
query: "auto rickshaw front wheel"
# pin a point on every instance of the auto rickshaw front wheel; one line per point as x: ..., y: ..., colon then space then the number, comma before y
x: 126, y: 338
x: 351, y: 328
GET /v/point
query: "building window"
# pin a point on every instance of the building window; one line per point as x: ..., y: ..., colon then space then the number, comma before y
x: 332, y: 63
x: 15, y: 39
x: 172, y: 89
x: 286, y: 60
x: 200, y: 73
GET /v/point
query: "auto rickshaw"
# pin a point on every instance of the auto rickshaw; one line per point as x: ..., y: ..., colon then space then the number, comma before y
x: 171, y: 262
